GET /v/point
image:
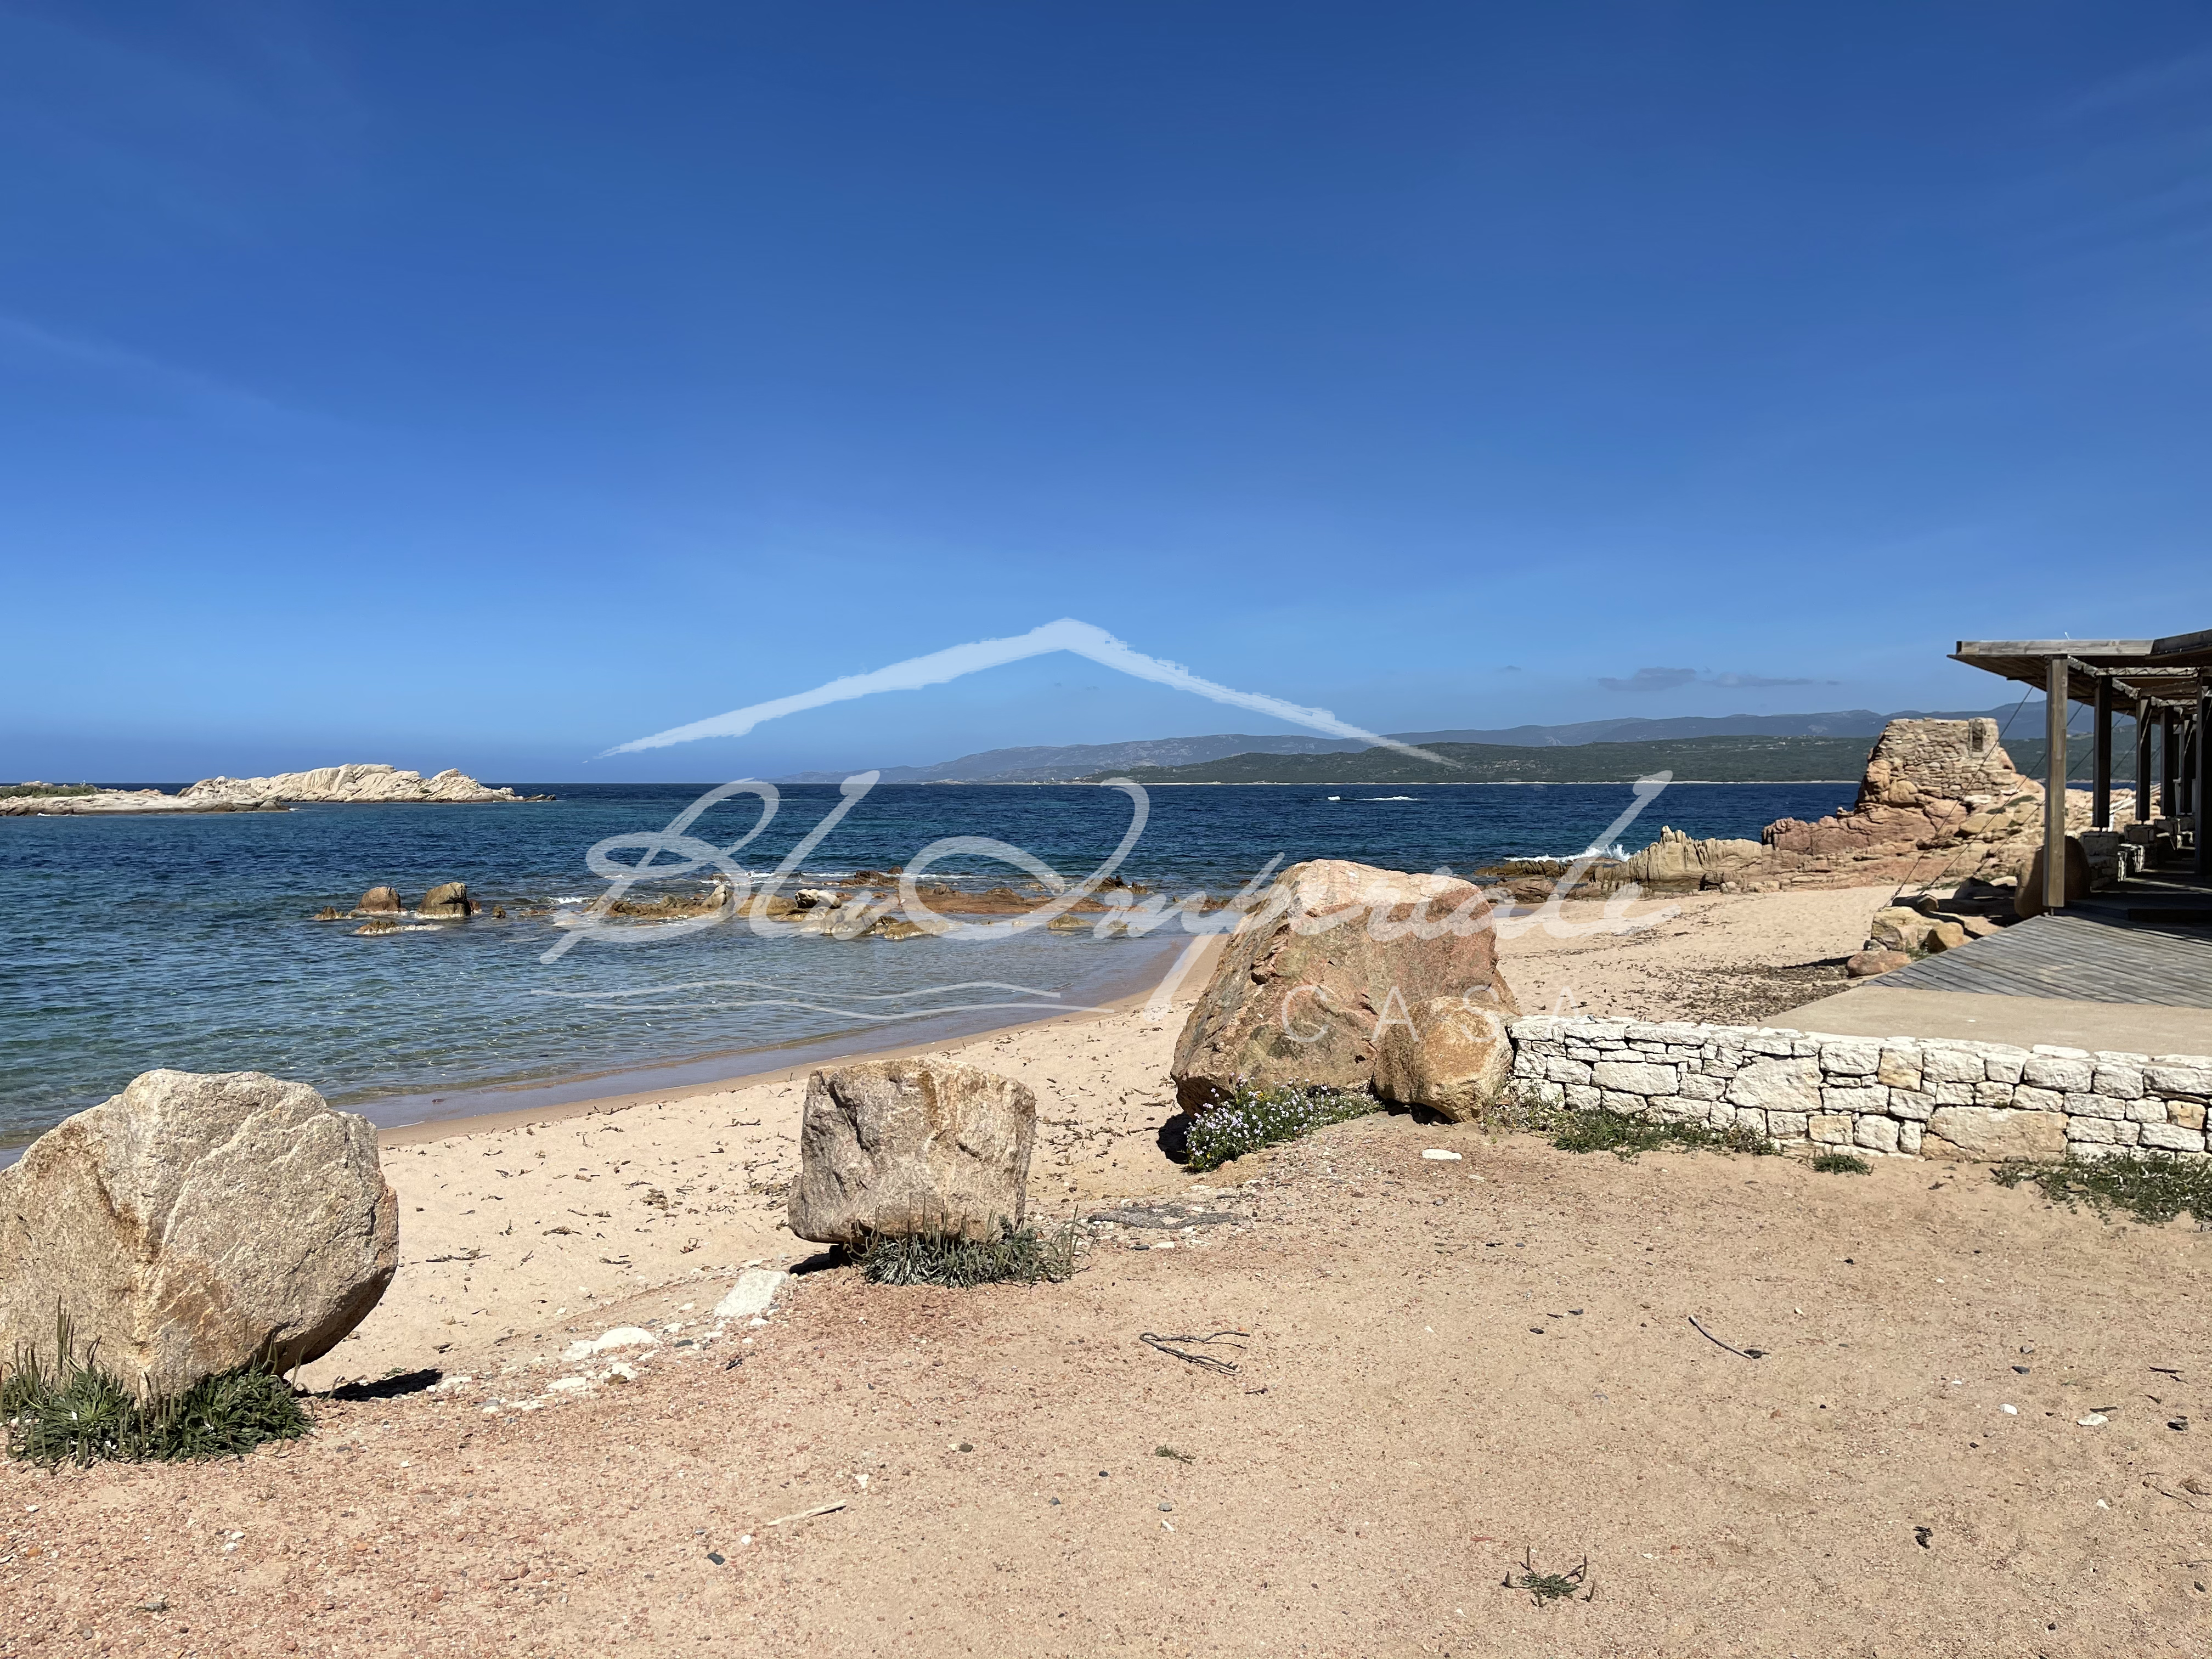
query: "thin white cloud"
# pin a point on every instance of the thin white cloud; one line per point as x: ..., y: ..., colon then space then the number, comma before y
x: 139, y: 373
x: 951, y: 664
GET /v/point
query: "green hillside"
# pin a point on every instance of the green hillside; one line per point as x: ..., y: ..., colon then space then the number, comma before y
x: 1718, y: 760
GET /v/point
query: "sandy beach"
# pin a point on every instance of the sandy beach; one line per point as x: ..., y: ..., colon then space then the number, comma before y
x: 552, y: 1441
x: 517, y: 1228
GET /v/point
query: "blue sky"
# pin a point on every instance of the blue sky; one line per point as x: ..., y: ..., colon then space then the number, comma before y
x: 489, y: 385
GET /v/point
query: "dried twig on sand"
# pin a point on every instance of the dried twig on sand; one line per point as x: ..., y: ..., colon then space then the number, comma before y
x: 835, y: 1504
x: 1741, y: 1354
x: 1206, y: 1360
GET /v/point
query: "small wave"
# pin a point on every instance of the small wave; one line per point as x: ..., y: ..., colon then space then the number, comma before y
x: 1615, y: 851
x: 1336, y: 798
x: 1389, y: 797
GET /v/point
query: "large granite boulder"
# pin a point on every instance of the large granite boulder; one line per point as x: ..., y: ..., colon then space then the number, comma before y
x: 1338, y: 957
x: 195, y: 1222
x: 380, y: 902
x: 448, y: 901
x: 900, y: 1147
x: 1451, y: 1057
x: 1677, y: 863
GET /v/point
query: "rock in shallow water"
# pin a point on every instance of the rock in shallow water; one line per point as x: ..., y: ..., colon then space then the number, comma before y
x: 195, y: 1223
x: 448, y: 900
x: 901, y: 1147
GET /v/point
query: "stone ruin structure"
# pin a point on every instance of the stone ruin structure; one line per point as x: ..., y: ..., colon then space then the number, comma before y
x: 1941, y: 803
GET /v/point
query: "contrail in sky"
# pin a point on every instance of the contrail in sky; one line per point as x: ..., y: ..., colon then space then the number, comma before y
x: 1067, y: 635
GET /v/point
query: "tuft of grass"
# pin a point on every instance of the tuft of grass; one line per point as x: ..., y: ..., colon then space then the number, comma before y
x: 1252, y: 1118
x: 2152, y: 1187
x: 1624, y: 1137
x: 1544, y: 1587
x: 75, y: 1412
x: 1170, y: 1451
x: 1841, y: 1163
x: 1019, y: 1256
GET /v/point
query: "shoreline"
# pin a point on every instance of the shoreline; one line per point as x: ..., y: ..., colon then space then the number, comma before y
x: 490, y: 1108
x: 461, y: 1125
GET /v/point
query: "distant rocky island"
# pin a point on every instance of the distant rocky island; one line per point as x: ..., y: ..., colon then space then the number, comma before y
x: 359, y: 784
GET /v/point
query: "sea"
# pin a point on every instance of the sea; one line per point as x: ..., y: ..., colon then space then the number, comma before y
x: 132, y: 943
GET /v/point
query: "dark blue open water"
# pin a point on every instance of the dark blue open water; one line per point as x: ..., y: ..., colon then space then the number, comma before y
x: 132, y: 943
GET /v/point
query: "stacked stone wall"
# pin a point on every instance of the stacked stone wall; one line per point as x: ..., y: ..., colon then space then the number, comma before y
x: 1896, y: 1095
x: 1938, y: 760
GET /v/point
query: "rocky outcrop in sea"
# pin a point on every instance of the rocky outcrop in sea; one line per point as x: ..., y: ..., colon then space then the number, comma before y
x: 1940, y: 804
x: 357, y: 783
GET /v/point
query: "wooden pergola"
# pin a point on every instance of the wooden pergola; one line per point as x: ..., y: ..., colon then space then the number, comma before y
x: 2165, y: 683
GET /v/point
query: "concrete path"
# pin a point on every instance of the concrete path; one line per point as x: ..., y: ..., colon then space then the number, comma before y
x: 1880, y: 1010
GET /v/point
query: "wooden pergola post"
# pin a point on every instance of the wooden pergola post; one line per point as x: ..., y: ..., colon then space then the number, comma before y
x: 2100, y: 782
x: 2169, y: 744
x: 2055, y: 707
x: 2145, y: 808
x: 2184, y: 791
x: 2196, y: 796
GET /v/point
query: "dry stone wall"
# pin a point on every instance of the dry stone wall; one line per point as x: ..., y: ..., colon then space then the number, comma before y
x: 1905, y: 1096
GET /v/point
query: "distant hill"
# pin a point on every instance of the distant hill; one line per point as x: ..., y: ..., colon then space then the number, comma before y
x: 1842, y: 723
x: 1751, y: 759
x: 1068, y: 762
x: 1074, y: 760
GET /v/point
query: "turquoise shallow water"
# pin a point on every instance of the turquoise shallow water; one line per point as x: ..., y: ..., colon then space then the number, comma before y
x: 132, y: 943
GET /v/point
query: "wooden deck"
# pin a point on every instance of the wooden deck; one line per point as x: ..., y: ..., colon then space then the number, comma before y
x: 2078, y: 958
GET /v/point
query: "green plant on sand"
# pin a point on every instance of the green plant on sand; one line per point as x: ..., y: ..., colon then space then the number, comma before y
x: 1544, y: 1587
x: 1252, y: 1118
x: 1573, y: 1130
x: 2152, y: 1187
x: 1840, y: 1163
x: 1625, y: 1136
x: 1018, y: 1255
x: 75, y: 1412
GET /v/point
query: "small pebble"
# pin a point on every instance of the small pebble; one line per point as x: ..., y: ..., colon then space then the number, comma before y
x: 2093, y: 1420
x: 1438, y: 1155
